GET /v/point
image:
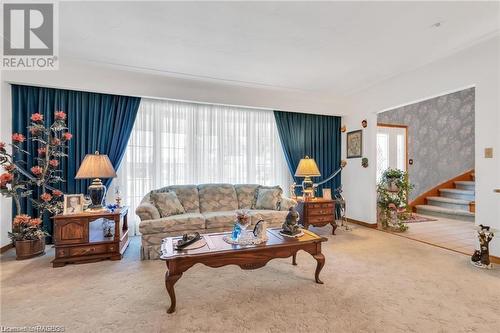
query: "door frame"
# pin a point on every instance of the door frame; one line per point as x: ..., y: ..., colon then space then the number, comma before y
x: 406, y: 140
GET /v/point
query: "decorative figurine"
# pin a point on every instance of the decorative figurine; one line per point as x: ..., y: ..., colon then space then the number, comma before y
x: 291, y: 226
x: 293, y: 195
x: 118, y: 198
x: 481, y: 258
x: 364, y: 123
x: 107, y: 228
x: 260, y: 231
x: 364, y: 162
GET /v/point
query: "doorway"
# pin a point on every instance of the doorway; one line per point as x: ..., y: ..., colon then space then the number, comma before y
x: 392, y: 148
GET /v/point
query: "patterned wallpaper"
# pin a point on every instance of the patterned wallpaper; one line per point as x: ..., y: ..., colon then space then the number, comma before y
x: 440, y: 137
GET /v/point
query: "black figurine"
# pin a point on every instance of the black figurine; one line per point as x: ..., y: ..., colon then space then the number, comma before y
x: 291, y: 226
x: 481, y: 257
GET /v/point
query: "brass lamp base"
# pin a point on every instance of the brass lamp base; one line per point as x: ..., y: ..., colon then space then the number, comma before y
x: 308, y: 189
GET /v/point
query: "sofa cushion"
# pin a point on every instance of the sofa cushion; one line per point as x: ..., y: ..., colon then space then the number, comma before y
x: 274, y: 218
x: 246, y: 194
x: 217, y: 197
x: 268, y: 197
x: 167, y: 203
x: 188, y: 196
x: 180, y: 223
x: 220, y: 219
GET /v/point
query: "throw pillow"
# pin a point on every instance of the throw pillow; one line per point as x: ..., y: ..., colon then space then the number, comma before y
x: 167, y: 203
x: 268, y: 198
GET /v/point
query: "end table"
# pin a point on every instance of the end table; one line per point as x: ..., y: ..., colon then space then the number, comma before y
x: 317, y: 212
x: 80, y: 238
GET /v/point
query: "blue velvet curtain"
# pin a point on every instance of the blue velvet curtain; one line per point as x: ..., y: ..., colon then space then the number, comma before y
x: 317, y: 136
x: 100, y: 122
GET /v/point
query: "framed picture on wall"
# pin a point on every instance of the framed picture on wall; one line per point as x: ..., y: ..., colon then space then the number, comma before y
x: 354, y: 144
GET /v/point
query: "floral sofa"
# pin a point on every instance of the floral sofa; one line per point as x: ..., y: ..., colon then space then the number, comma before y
x: 208, y: 208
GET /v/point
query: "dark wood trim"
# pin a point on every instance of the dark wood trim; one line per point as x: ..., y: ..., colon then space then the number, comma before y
x: 434, y: 192
x: 7, y: 247
x: 364, y: 224
x: 495, y: 260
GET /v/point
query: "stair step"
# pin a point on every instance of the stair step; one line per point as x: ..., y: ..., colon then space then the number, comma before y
x: 456, y: 193
x: 449, y: 203
x: 445, y: 212
x: 465, y: 185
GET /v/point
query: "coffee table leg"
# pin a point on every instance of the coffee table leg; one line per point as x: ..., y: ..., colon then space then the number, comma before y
x: 320, y: 259
x: 170, y: 280
x: 294, y: 259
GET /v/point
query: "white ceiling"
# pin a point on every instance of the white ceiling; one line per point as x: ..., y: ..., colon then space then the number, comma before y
x: 335, y: 48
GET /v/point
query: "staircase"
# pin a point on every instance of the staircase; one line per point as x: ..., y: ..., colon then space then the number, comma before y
x: 457, y: 202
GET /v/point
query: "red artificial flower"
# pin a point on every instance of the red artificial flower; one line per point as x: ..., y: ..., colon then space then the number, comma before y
x: 46, y: 197
x: 36, y: 170
x: 57, y: 193
x: 54, y: 163
x: 56, y: 142
x: 6, y: 178
x: 17, y: 137
x: 42, y: 151
x: 36, y: 117
x: 9, y: 167
x: 67, y: 136
x: 21, y: 219
x: 60, y: 115
x: 35, y: 222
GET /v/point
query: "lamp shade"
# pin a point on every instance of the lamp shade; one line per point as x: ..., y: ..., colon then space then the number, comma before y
x: 96, y: 166
x: 307, y: 168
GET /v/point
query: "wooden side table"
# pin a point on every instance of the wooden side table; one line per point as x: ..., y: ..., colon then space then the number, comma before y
x: 317, y: 212
x: 79, y: 238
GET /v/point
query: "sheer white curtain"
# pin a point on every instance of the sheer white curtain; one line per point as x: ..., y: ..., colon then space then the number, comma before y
x: 175, y: 143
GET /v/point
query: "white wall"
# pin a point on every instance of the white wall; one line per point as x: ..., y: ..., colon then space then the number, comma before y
x: 91, y: 77
x: 477, y: 66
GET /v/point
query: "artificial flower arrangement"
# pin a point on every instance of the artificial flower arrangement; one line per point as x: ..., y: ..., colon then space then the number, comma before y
x: 17, y: 182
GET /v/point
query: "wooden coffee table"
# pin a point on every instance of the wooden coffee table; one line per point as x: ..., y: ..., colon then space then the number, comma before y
x: 218, y: 253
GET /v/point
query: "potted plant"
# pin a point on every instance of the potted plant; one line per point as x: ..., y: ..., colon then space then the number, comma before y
x: 16, y: 182
x: 28, y: 236
x: 393, y: 190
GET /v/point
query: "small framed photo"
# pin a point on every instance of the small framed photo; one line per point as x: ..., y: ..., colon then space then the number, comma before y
x: 73, y: 203
x: 354, y: 144
x: 327, y: 193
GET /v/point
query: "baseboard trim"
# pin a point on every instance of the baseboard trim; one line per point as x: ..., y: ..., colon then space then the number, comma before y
x: 6, y: 247
x: 364, y: 224
x: 495, y: 260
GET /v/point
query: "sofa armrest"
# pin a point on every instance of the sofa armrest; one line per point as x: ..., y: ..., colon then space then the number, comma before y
x: 287, y: 203
x: 147, y: 211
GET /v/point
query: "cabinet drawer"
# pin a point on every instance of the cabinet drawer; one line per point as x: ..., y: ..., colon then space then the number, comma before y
x: 321, y: 219
x: 88, y: 250
x: 320, y: 205
x: 320, y: 211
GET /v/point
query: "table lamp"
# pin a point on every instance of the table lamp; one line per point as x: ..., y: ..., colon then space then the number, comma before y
x: 307, y: 168
x: 96, y: 166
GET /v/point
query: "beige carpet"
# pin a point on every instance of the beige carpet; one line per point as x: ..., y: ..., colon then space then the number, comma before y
x: 374, y: 282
